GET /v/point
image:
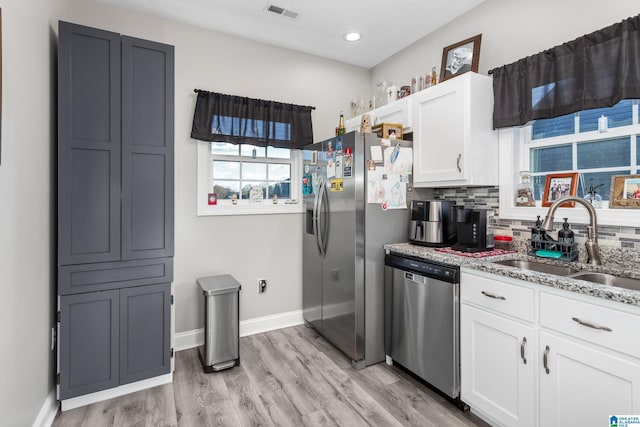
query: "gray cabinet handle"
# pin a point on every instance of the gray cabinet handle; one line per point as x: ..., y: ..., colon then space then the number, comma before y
x: 494, y: 296
x: 545, y: 360
x: 592, y: 325
x: 524, y: 342
x: 458, y: 163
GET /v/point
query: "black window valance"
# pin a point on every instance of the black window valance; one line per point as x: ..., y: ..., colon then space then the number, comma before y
x: 236, y: 119
x: 593, y: 71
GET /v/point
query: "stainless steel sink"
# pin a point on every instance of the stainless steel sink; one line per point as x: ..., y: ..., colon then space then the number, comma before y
x: 608, y: 279
x: 540, y: 267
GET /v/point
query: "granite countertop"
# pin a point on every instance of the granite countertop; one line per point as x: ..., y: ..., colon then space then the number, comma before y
x: 488, y: 265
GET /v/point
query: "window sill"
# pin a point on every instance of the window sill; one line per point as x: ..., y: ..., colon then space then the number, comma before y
x: 509, y: 174
x: 246, y: 209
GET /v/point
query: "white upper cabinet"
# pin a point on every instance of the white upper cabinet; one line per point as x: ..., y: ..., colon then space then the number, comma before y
x: 353, y: 123
x: 454, y: 142
x: 395, y: 112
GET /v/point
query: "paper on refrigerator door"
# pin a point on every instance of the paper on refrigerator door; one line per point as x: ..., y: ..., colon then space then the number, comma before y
x: 376, y: 153
x: 387, y: 189
x: 403, y: 162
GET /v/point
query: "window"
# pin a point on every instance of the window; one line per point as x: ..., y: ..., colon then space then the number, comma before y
x: 573, y: 143
x: 241, y: 170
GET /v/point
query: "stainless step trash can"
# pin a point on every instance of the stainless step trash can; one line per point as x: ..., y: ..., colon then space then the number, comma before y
x: 221, y: 348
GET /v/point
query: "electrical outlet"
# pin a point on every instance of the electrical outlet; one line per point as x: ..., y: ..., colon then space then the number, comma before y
x: 262, y: 285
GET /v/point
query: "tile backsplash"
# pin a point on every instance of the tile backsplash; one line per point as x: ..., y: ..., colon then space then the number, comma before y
x: 610, y: 238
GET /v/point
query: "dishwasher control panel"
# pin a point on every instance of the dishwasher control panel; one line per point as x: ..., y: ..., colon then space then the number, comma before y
x: 428, y: 268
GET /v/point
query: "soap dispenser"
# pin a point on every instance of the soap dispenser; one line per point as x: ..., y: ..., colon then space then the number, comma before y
x: 537, y: 235
x: 565, y: 236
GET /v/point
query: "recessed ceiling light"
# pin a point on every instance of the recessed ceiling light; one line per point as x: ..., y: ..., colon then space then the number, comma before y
x: 352, y: 37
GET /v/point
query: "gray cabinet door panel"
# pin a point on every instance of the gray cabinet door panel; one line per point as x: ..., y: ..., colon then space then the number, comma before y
x: 88, y: 343
x: 147, y: 149
x: 88, y: 145
x: 102, y: 276
x: 144, y: 332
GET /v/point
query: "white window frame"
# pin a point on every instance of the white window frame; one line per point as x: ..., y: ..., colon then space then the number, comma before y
x: 243, y: 207
x: 514, y: 149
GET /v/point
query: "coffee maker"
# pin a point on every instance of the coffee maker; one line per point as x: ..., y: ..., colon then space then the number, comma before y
x: 474, y: 228
x: 432, y: 223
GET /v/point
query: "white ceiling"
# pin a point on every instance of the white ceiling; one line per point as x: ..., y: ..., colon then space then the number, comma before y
x: 387, y: 26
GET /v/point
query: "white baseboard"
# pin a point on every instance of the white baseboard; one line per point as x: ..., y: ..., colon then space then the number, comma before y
x: 48, y: 411
x: 98, y: 396
x: 195, y: 337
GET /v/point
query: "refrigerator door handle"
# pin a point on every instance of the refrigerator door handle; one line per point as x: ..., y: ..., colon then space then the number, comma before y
x: 322, y: 189
x: 316, y: 225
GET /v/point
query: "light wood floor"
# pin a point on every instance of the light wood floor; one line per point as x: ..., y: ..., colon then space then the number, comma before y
x: 287, y: 377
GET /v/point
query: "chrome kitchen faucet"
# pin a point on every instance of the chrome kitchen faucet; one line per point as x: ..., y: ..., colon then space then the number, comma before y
x: 593, y: 250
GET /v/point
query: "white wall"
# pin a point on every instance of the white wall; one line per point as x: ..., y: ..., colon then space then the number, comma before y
x: 27, y: 207
x: 511, y: 30
x: 248, y: 247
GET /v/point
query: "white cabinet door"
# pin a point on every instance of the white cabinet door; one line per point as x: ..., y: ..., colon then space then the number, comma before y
x: 453, y: 140
x: 439, y: 134
x: 353, y: 124
x: 497, y: 366
x: 584, y: 385
x: 394, y: 112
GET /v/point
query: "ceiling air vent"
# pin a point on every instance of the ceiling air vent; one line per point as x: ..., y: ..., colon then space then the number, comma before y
x: 272, y: 8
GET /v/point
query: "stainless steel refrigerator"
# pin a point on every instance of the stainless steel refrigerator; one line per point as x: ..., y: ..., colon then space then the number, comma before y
x: 344, y: 234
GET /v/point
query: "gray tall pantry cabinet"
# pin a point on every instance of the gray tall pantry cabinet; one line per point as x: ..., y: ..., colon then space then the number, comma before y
x: 115, y: 209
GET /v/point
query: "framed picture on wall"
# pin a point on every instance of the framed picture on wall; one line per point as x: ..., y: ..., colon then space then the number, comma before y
x: 460, y: 57
x: 559, y: 185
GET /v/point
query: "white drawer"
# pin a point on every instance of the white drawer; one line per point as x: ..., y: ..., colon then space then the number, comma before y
x: 502, y: 297
x: 606, y: 327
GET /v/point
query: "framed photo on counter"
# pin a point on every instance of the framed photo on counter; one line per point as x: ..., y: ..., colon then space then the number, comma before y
x: 559, y: 185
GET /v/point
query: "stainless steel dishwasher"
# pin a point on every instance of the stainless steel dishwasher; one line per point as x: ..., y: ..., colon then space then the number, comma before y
x: 422, y: 301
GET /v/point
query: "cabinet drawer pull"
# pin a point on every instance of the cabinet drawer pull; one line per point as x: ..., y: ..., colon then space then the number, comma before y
x: 458, y: 163
x: 592, y: 325
x: 524, y: 342
x: 494, y: 296
x: 545, y: 359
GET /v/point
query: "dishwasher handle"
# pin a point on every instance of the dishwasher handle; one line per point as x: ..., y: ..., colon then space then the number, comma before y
x: 415, y: 277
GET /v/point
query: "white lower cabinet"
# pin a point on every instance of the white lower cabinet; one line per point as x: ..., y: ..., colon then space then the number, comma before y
x: 584, y: 386
x: 497, y: 342
x: 498, y: 371
x: 582, y: 354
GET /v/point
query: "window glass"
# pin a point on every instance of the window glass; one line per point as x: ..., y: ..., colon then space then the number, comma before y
x: 601, y: 179
x: 547, y: 128
x: 248, y: 185
x: 554, y: 158
x: 282, y: 189
x: 254, y: 171
x: 278, y: 153
x: 226, y: 170
x: 538, y: 186
x: 225, y: 189
x: 252, y: 151
x: 278, y: 172
x: 602, y: 154
x: 618, y: 115
x: 224, y: 148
